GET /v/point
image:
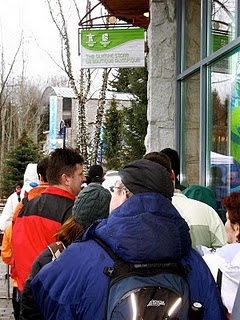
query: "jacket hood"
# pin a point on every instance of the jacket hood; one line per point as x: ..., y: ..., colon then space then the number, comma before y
x: 201, y: 193
x: 34, y: 192
x: 30, y: 176
x: 146, y: 227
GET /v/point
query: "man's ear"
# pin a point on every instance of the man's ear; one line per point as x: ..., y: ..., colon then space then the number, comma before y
x: 124, y: 195
x: 173, y: 176
x: 64, y: 179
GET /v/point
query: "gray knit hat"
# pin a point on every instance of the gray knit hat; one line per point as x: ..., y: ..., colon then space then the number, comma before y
x: 91, y: 204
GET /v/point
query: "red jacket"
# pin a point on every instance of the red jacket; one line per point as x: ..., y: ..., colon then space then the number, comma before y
x: 36, y: 226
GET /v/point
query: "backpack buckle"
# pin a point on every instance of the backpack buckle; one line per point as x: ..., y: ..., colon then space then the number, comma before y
x: 108, y: 271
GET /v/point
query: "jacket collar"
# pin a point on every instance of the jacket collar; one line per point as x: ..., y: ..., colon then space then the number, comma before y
x: 59, y: 192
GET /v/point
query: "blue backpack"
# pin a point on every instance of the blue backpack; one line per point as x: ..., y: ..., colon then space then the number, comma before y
x: 151, y: 291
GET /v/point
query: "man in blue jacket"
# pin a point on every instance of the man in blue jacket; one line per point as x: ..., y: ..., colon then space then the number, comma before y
x: 143, y: 226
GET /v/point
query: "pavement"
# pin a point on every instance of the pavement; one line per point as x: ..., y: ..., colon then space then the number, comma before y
x: 6, y: 310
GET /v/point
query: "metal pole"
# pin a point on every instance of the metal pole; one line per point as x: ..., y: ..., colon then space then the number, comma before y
x: 63, y: 132
x: 64, y: 136
x: 8, y: 282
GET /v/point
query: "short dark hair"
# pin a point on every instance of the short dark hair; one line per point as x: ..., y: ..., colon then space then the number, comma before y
x: 62, y: 161
x: 174, y: 158
x: 160, y: 158
x: 42, y: 168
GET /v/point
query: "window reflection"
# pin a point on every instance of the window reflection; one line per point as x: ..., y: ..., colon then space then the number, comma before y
x: 225, y: 106
x: 221, y: 29
x: 191, y: 127
x: 192, y: 42
x: 222, y: 24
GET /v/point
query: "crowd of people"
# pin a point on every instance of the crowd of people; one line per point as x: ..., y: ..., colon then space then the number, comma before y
x: 53, y: 229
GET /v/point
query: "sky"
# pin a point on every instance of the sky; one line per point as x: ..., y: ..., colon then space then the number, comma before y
x: 41, y: 37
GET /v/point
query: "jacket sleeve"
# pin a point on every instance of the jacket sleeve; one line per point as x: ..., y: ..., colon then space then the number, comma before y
x: 217, y: 229
x: 6, y: 216
x: 6, y: 253
x: 29, y: 308
x: 73, y: 286
x: 16, y: 211
x: 203, y: 288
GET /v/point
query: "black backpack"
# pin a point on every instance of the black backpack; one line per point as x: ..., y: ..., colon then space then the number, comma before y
x: 152, y: 291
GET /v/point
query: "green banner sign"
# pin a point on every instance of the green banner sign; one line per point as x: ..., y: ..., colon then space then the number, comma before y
x: 112, y: 48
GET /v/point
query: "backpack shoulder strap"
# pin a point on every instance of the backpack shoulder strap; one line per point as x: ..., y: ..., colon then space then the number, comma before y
x: 122, y: 267
x: 219, y: 280
x: 108, y: 249
x: 56, y: 249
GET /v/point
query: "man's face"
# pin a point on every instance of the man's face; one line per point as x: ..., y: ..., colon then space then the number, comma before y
x: 76, y: 180
x: 118, y: 196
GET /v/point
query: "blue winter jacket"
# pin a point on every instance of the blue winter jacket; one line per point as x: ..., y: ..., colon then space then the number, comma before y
x: 144, y: 228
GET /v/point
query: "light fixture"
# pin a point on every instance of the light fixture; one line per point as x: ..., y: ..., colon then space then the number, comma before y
x: 112, y: 19
x: 146, y: 14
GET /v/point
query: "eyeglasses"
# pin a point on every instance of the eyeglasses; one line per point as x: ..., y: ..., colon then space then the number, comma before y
x: 113, y: 187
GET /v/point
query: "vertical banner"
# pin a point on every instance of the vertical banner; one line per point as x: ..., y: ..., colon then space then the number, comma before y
x: 53, y: 123
x: 235, y: 114
x: 112, y: 48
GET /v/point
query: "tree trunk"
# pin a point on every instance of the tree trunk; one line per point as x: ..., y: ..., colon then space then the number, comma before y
x: 99, y: 116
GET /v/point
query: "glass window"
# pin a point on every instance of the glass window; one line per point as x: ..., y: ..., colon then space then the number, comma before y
x: 222, y: 29
x: 67, y: 112
x: 68, y: 122
x: 191, y: 128
x: 67, y: 104
x: 192, y: 33
x: 225, y: 126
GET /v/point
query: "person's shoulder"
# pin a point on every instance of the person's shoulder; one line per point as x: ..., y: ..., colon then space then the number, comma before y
x: 181, y: 199
x: 57, y: 191
x: 12, y: 199
x: 29, y: 202
x: 194, y: 203
x: 37, y: 191
x: 13, y: 195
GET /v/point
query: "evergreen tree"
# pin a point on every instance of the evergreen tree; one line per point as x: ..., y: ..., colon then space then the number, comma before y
x: 134, y: 132
x: 134, y: 81
x: 16, y: 162
x: 112, y: 137
x: 121, y: 81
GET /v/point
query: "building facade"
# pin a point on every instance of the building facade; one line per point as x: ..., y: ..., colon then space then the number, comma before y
x: 193, y: 85
x: 62, y: 106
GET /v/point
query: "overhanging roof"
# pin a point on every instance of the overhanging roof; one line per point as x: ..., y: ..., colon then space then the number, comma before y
x: 129, y: 11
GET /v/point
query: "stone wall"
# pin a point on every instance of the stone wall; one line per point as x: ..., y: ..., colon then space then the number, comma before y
x: 162, y: 75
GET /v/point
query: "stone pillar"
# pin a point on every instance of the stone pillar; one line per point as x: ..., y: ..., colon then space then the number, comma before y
x: 162, y: 75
